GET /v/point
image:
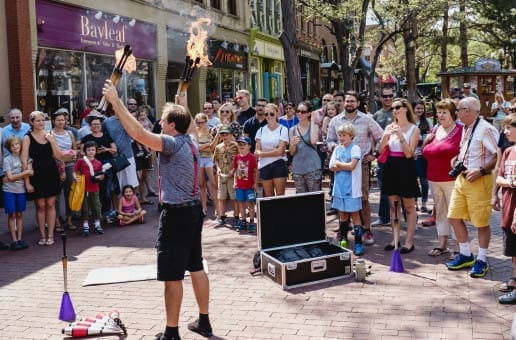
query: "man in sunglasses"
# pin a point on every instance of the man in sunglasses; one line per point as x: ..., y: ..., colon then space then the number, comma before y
x: 245, y: 110
x: 209, y: 110
x: 253, y: 124
x: 384, y: 117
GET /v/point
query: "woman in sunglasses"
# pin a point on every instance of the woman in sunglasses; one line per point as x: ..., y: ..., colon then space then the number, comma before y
x: 399, y: 172
x: 271, y: 142
x: 306, y: 164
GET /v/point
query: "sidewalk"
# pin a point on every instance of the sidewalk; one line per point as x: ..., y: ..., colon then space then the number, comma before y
x: 425, y: 302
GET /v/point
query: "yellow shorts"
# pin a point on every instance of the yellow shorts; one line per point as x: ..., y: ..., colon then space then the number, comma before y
x: 472, y: 201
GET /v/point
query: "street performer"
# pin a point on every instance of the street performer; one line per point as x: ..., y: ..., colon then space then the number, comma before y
x: 180, y: 223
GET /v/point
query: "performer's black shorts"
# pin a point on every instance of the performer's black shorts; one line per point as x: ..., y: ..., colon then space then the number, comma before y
x: 509, y: 242
x: 179, y: 241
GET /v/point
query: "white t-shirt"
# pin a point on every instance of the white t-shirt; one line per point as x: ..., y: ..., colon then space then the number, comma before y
x: 270, y: 140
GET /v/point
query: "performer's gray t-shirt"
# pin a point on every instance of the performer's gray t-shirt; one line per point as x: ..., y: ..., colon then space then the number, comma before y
x: 176, y: 170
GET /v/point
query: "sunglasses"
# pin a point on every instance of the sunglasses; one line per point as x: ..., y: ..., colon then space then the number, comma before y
x: 302, y: 111
x: 207, y: 108
x: 260, y: 105
x: 387, y: 96
x: 199, y: 123
x: 238, y: 98
x: 326, y: 100
x: 267, y: 114
x: 225, y: 111
x: 397, y: 107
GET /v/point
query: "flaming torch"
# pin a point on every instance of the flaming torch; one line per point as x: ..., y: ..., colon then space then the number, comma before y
x: 196, y: 55
x: 124, y: 60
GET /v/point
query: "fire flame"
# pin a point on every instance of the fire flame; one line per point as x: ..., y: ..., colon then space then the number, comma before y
x: 130, y: 64
x: 196, y: 44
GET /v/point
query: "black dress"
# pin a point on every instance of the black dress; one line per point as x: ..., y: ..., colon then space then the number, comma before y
x: 45, y: 180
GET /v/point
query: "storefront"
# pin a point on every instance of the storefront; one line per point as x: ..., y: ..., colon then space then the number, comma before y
x: 266, y: 67
x: 75, y: 55
x: 228, y: 72
x: 309, y: 65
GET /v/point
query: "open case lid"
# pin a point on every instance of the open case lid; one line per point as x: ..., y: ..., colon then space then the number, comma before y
x: 289, y: 220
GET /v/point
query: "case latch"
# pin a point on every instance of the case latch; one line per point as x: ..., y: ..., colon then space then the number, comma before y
x: 318, y: 266
x: 271, y: 269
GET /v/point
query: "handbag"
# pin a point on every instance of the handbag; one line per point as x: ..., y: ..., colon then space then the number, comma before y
x: 382, y: 158
x: 119, y: 162
x: 77, y: 191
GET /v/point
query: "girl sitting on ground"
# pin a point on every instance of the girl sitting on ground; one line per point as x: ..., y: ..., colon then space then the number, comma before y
x: 129, y: 208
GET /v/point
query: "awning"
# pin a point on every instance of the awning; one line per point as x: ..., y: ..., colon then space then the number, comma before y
x: 333, y: 66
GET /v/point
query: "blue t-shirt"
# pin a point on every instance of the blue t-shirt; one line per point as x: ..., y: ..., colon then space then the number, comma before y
x: 121, y: 138
x: 347, y: 184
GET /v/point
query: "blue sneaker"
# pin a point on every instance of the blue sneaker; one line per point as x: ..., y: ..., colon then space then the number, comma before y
x: 461, y: 261
x: 241, y: 226
x: 479, y: 269
x: 252, y: 227
x: 359, y: 249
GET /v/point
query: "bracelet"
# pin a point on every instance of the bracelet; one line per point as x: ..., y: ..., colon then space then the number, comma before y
x: 483, y: 171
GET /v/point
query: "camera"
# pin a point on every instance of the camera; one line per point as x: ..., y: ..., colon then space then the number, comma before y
x: 457, y: 170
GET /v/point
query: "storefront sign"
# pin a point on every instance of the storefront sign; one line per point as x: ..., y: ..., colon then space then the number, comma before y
x: 227, y: 55
x: 268, y: 50
x: 484, y: 64
x: 81, y: 29
x: 309, y: 54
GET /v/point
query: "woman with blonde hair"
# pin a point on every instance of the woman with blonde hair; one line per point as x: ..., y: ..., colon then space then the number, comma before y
x: 40, y: 147
x: 206, y: 148
x: 499, y: 110
x: 399, y: 172
x: 271, y: 142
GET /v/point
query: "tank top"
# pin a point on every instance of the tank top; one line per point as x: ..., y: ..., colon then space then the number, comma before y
x: 394, y: 142
x: 306, y: 159
x: 64, y: 141
x: 128, y: 207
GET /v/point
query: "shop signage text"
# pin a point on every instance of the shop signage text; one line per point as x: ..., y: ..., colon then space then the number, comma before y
x: 227, y: 57
x: 92, y: 30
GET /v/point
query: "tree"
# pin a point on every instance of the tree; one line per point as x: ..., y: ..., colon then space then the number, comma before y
x: 289, y: 41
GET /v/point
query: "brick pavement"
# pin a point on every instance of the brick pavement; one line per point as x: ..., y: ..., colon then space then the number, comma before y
x: 425, y: 302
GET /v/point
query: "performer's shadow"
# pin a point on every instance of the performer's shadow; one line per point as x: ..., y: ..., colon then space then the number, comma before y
x: 213, y: 337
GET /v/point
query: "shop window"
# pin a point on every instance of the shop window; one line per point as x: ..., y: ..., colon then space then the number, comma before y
x: 59, y: 81
x: 240, y: 80
x: 232, y: 8
x: 215, y: 4
x: 212, y: 84
x: 226, y: 77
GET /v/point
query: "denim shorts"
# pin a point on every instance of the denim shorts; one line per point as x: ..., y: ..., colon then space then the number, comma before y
x: 277, y: 169
x: 206, y: 162
x: 245, y: 195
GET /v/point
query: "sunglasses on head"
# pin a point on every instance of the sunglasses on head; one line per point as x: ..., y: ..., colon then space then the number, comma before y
x: 387, y: 96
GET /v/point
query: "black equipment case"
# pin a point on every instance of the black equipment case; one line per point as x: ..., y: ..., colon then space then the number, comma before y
x: 292, y: 240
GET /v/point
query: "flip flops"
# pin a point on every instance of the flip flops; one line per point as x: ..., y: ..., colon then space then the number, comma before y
x: 438, y: 251
x: 505, y: 287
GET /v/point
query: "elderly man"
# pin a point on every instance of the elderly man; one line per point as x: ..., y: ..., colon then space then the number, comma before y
x: 367, y: 133
x: 471, y: 196
x: 180, y: 225
x: 16, y: 127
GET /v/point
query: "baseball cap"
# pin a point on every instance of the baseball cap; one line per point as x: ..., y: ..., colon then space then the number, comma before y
x: 467, y: 85
x: 224, y: 129
x: 244, y: 139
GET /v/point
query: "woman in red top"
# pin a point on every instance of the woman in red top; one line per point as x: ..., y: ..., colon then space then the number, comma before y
x: 440, y: 146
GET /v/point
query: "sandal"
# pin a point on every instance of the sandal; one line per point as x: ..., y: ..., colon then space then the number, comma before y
x: 42, y: 241
x: 50, y: 241
x: 505, y: 287
x: 453, y: 255
x: 438, y: 251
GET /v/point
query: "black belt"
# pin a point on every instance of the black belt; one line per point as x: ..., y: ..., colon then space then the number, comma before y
x: 181, y: 205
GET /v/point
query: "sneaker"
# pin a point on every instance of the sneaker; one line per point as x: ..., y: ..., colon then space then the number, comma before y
x: 85, y: 232
x: 23, y: 244
x: 99, y: 230
x: 461, y: 261
x: 508, y: 299
x: 252, y: 227
x: 241, y: 226
x: 221, y: 221
x: 479, y: 269
x: 379, y: 222
x: 16, y: 246
x: 368, y: 237
x: 205, y: 331
x: 164, y: 337
x: 428, y: 222
x: 3, y: 246
x: 359, y: 249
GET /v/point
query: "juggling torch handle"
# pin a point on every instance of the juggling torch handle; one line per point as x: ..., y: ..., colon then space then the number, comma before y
x: 64, y: 260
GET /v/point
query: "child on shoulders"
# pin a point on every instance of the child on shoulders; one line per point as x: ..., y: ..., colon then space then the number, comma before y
x: 347, y: 188
x: 129, y: 208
